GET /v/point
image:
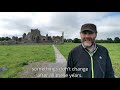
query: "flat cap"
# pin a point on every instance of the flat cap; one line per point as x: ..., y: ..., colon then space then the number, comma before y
x: 89, y: 27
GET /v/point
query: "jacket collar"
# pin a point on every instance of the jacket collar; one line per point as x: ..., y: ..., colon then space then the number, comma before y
x: 94, y: 48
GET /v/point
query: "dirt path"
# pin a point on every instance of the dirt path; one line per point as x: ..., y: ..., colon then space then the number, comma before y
x: 46, y: 69
x: 59, y: 57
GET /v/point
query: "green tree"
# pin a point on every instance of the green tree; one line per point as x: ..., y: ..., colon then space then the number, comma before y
x: 116, y: 40
x: 109, y: 40
x: 76, y: 40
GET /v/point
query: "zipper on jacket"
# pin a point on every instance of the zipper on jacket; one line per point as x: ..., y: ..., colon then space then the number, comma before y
x: 91, y: 59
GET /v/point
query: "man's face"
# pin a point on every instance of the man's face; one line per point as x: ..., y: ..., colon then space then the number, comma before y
x: 88, y: 38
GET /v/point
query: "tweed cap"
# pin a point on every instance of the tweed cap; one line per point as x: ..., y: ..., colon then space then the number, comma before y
x: 89, y: 27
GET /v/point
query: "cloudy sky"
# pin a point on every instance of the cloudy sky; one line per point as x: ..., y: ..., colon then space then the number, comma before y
x: 54, y: 23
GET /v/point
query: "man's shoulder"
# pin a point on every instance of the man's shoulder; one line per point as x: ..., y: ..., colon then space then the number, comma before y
x: 101, y: 47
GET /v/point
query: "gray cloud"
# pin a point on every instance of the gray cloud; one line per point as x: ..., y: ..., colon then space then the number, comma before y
x: 23, y: 24
x: 112, y: 34
x: 65, y: 19
x: 57, y: 22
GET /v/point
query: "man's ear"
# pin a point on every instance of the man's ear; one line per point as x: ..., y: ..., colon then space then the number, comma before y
x: 96, y: 35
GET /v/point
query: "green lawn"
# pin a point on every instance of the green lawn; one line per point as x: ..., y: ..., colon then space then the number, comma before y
x: 14, y: 57
x: 66, y: 47
x: 113, y: 48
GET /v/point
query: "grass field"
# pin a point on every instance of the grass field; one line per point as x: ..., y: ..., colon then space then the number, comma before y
x: 113, y: 48
x: 14, y: 57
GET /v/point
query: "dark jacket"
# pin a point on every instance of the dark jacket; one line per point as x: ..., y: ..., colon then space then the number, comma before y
x: 79, y: 64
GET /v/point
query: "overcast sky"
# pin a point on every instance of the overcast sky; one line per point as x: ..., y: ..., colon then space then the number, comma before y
x: 54, y: 23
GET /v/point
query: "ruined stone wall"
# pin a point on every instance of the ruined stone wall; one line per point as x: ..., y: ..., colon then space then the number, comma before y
x: 34, y: 37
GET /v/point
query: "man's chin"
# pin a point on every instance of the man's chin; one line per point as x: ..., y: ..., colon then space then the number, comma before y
x: 88, y: 45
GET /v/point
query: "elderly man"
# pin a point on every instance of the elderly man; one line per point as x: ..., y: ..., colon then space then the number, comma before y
x: 89, y: 60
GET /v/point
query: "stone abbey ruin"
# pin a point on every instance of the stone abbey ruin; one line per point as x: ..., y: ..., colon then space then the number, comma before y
x: 35, y: 37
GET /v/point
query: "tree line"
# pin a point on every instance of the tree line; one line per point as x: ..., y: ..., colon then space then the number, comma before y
x: 77, y: 40
x: 108, y: 40
x: 5, y: 38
